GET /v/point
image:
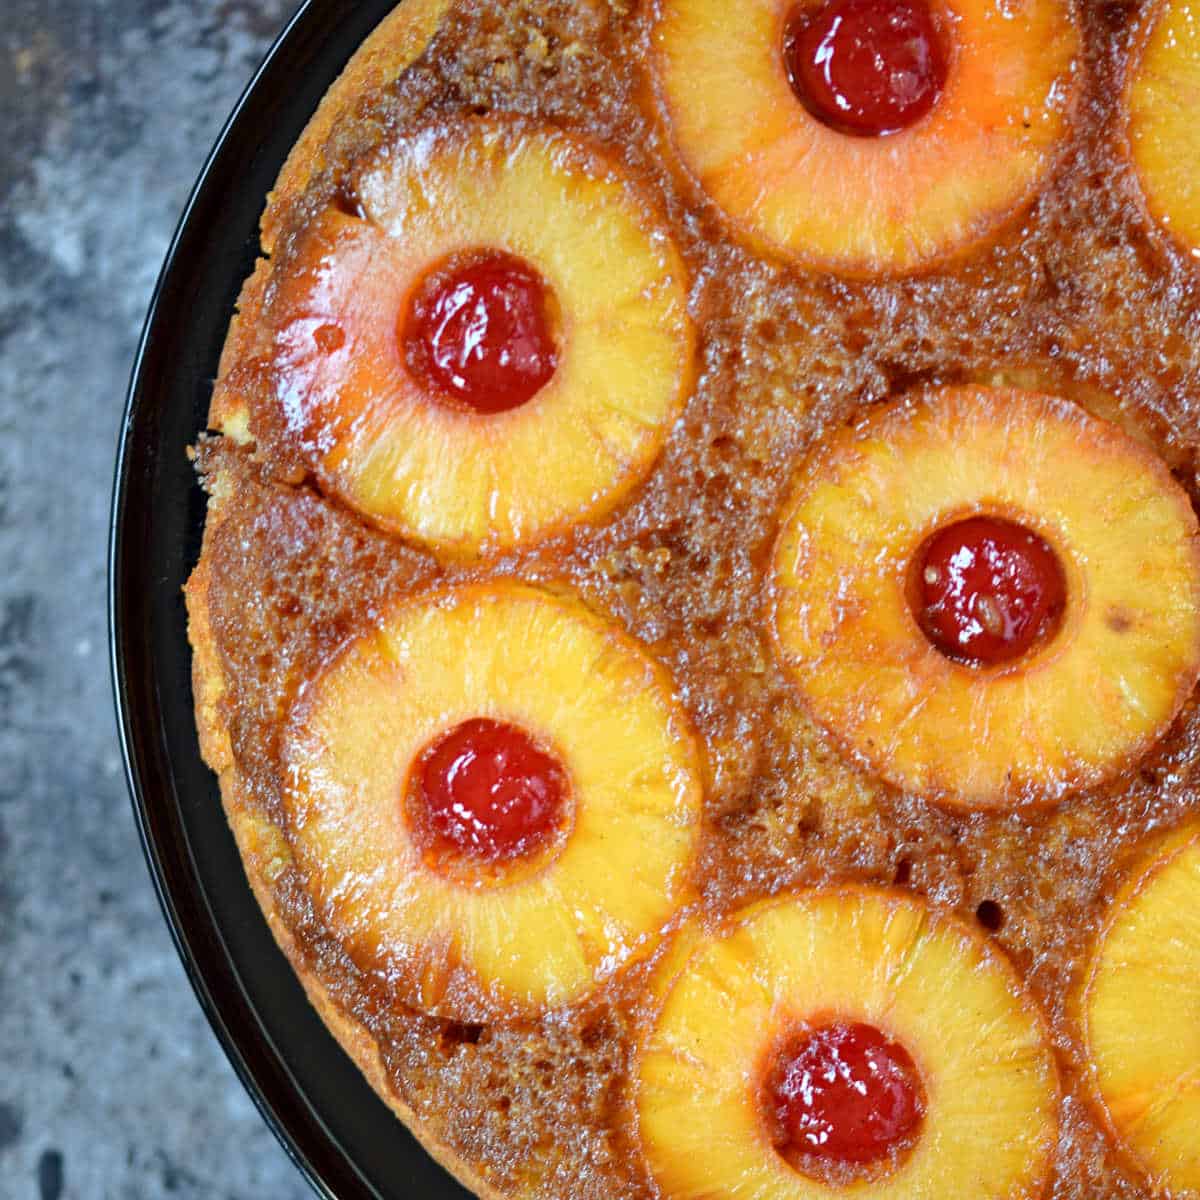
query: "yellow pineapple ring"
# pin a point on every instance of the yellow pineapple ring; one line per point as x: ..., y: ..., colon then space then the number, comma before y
x: 1141, y: 1013
x: 546, y: 932
x: 447, y: 476
x: 867, y: 204
x: 1161, y: 97
x: 1070, y: 713
x: 859, y: 955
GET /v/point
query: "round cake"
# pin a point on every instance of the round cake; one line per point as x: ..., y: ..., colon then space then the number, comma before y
x: 698, y: 620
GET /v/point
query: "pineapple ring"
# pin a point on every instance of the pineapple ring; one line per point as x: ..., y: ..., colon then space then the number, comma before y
x: 459, y: 480
x: 539, y: 937
x: 879, y: 957
x: 1141, y: 1014
x: 1071, y: 712
x: 793, y: 184
x: 1161, y: 96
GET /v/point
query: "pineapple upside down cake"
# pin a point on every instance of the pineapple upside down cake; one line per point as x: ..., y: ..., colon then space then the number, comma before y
x: 699, y: 612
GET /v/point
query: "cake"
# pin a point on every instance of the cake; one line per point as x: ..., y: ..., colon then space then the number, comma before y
x: 699, y: 610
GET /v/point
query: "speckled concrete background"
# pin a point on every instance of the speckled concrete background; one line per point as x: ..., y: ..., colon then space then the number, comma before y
x: 111, y: 1084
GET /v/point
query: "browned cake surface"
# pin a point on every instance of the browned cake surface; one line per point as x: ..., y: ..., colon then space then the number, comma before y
x: 1081, y: 296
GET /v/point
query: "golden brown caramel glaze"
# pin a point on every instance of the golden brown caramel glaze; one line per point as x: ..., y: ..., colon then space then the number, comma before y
x: 1083, y: 297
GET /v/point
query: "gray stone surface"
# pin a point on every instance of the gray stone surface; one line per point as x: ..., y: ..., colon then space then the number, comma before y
x: 111, y: 1084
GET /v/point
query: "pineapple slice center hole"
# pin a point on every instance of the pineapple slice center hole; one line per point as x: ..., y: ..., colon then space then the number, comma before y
x: 479, y: 331
x: 986, y: 591
x: 866, y: 68
x: 842, y: 1099
x: 486, y: 796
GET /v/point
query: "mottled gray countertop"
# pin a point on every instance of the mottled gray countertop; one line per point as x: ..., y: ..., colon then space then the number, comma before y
x: 111, y: 1084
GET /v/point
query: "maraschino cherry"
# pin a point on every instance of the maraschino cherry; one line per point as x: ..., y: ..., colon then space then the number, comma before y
x: 865, y: 67
x: 478, y: 332
x: 988, y: 590
x: 844, y: 1094
x: 486, y: 792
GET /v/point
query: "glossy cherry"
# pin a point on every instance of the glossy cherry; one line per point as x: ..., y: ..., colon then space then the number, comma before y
x: 844, y: 1094
x: 478, y: 332
x: 485, y: 791
x: 988, y: 590
x: 865, y: 67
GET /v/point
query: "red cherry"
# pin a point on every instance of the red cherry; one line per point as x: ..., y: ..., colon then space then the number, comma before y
x: 478, y: 331
x: 988, y: 590
x: 488, y: 793
x: 865, y: 67
x: 845, y: 1093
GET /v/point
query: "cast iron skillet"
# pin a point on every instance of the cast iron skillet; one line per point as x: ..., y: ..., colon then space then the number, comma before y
x: 337, y: 1131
